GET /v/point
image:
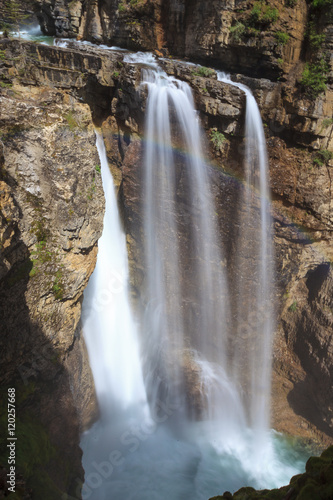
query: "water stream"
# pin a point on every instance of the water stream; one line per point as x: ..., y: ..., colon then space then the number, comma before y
x: 255, y: 265
x: 156, y: 437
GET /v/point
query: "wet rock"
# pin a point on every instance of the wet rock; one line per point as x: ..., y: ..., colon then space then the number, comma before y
x: 316, y: 482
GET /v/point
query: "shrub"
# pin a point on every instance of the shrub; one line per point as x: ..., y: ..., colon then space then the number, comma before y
x: 323, y: 156
x: 5, y: 85
x: 271, y: 15
x: 327, y: 122
x: 121, y: 6
x: 293, y: 306
x: 255, y: 13
x: 314, y: 77
x: 14, y: 13
x: 291, y: 3
x: 58, y: 286
x: 237, y: 31
x: 263, y: 14
x: 72, y: 123
x: 282, y: 37
x: 315, y: 39
x: 318, y: 4
x: 217, y: 138
x: 205, y: 72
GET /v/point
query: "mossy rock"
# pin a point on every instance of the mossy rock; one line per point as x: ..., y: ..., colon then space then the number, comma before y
x: 315, y: 484
x: 309, y: 492
x: 34, y: 452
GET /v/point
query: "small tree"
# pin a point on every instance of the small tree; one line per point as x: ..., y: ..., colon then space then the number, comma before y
x: 14, y: 14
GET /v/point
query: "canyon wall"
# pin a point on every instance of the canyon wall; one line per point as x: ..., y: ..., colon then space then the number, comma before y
x: 52, y: 201
x: 51, y: 218
x: 243, y: 36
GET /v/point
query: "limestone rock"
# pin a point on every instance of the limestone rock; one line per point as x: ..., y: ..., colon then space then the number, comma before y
x: 51, y: 218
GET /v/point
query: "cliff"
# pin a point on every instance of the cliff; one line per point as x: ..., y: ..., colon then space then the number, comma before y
x: 251, y: 37
x: 52, y: 201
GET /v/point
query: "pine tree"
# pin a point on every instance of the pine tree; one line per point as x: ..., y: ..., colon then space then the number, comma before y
x: 14, y: 14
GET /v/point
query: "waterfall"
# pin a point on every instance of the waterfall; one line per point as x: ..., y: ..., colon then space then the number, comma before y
x: 255, y: 273
x: 187, y: 309
x: 174, y: 420
x: 110, y: 331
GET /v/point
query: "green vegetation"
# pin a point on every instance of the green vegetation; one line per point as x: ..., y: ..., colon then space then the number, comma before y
x: 13, y: 13
x: 293, y: 306
x: 316, y: 483
x: 280, y: 61
x: 39, y: 257
x: 34, y: 451
x: 72, y: 123
x: 323, y: 157
x: 98, y: 169
x: 318, y: 4
x: 263, y: 14
x: 115, y: 74
x: 282, y: 37
x: 58, y: 286
x: 91, y: 189
x: 315, y: 40
x: 291, y: 3
x: 203, y: 71
x: 121, y: 6
x: 5, y: 85
x: 217, y: 138
x: 44, y: 253
x: 327, y: 122
x: 39, y: 230
x: 237, y: 31
x: 252, y: 31
x: 2, y: 55
x: 314, y: 77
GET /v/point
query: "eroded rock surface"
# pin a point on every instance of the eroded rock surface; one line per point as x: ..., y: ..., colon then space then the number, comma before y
x: 51, y: 218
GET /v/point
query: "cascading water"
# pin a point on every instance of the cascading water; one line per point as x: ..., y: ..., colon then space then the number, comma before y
x: 255, y: 277
x: 185, y: 325
x: 140, y: 453
x: 110, y: 331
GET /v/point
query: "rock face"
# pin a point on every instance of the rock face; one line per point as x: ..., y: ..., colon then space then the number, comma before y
x: 264, y: 39
x: 52, y: 202
x: 51, y: 217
